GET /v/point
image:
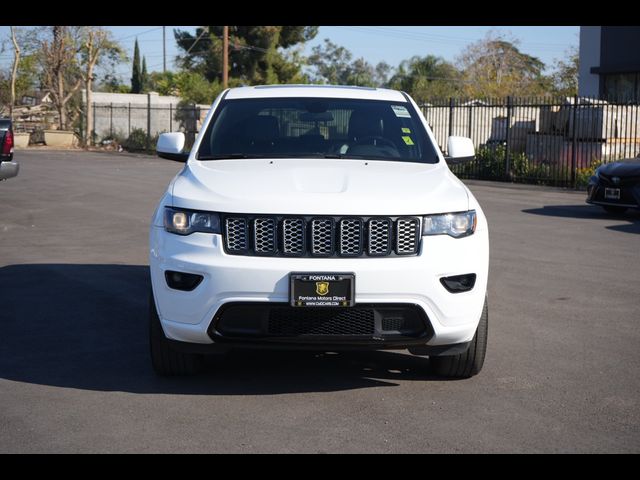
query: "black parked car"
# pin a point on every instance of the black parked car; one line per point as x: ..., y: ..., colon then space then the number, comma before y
x: 8, y: 168
x: 616, y: 186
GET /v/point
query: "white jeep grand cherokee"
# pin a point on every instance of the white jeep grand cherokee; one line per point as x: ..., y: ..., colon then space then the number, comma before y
x: 317, y: 217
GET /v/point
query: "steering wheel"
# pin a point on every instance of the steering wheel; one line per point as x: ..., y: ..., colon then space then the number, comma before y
x: 375, y: 140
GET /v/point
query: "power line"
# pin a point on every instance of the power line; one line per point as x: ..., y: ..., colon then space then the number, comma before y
x: 433, y: 36
x: 204, y: 30
x: 442, y: 39
x: 138, y: 34
x: 234, y: 45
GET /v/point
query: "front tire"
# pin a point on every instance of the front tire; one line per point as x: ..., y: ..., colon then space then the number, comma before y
x: 613, y: 209
x: 165, y: 360
x: 469, y: 363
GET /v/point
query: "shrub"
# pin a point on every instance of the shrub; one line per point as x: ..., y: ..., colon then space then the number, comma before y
x: 583, y: 174
x: 137, y: 140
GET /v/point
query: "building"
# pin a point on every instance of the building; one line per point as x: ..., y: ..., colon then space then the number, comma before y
x: 610, y: 63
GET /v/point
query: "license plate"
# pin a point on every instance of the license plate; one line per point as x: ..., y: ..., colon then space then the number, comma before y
x: 612, y: 193
x: 322, y: 289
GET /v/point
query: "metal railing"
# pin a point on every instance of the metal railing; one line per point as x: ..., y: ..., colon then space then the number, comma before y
x: 530, y: 140
x: 137, y: 126
x: 537, y: 140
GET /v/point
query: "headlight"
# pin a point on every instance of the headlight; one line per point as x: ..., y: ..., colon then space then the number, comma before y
x: 456, y: 225
x: 184, y: 222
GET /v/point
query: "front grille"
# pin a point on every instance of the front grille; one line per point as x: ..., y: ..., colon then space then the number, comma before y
x: 321, y: 236
x: 237, y: 234
x: 379, y: 236
x: 293, y: 238
x: 351, y: 240
x: 407, y: 235
x: 264, y: 235
x: 328, y: 321
x: 624, y: 181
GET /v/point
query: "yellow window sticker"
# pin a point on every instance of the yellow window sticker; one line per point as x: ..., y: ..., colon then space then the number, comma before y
x: 406, y: 130
x: 408, y: 140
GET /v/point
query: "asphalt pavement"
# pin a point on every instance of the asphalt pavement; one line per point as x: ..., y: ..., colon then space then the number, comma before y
x: 561, y: 373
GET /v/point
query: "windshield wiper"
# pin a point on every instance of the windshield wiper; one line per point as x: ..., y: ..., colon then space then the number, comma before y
x: 356, y: 156
x: 223, y: 156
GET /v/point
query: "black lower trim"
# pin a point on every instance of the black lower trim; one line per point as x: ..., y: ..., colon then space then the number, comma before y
x: 440, y: 350
x: 613, y: 204
x: 416, y: 347
x: 366, y: 326
x: 629, y: 196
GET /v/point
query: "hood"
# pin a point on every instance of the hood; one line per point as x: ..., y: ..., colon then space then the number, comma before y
x: 623, y: 168
x: 319, y: 187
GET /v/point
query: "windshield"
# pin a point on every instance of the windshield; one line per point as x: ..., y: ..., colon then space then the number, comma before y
x: 318, y: 128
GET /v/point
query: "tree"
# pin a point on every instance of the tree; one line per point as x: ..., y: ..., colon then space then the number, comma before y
x: 360, y: 73
x: 165, y: 83
x: 191, y: 87
x: 14, y: 70
x: 144, y: 77
x: 427, y: 78
x: 565, y: 78
x: 382, y: 72
x: 136, y: 76
x: 23, y: 74
x: 96, y: 45
x: 495, y: 67
x: 332, y: 64
x: 111, y: 84
x: 257, y: 54
x: 26, y: 79
x: 61, y: 76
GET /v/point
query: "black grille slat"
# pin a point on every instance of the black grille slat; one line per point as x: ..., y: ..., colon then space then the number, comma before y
x: 236, y: 234
x: 379, y: 236
x: 327, y: 321
x: 322, y: 236
x: 306, y: 236
x: 406, y: 236
x: 264, y: 235
x: 351, y: 237
x: 293, y: 237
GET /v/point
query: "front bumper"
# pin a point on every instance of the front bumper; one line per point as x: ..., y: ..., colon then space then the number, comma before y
x: 8, y: 169
x: 451, y: 318
x: 629, y: 194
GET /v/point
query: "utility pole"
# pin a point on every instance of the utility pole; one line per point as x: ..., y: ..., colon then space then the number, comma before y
x: 225, y: 56
x: 164, y: 50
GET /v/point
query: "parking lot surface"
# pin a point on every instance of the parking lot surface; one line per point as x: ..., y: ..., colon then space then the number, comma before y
x: 562, y: 365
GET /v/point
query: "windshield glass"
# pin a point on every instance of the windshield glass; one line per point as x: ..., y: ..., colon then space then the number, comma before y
x: 318, y: 128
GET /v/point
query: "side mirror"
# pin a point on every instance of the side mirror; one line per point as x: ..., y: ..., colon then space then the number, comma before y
x: 460, y: 149
x: 170, y: 146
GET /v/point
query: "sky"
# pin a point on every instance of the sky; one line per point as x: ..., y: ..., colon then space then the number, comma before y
x: 391, y: 44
